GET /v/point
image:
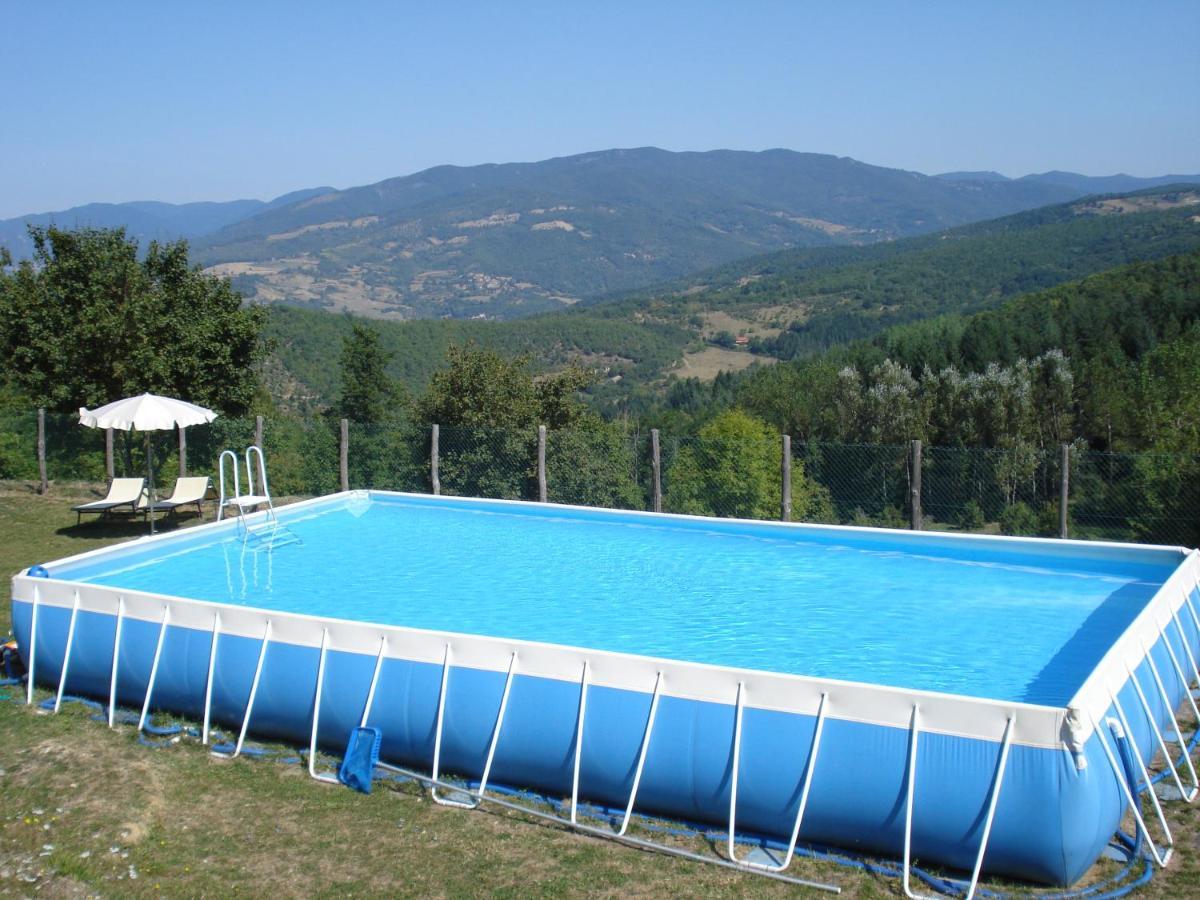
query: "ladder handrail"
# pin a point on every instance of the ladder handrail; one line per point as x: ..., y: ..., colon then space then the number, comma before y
x: 251, y: 451
x: 237, y: 482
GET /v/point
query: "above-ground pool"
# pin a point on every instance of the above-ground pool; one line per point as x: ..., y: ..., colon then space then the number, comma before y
x: 966, y: 697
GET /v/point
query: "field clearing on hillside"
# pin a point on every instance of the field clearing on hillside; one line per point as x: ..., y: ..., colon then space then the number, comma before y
x: 712, y: 361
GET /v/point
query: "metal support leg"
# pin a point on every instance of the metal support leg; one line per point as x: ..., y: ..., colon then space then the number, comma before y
x: 116, y: 661
x: 583, y: 692
x: 162, y: 635
x: 437, y: 737
x: 1124, y: 786
x: 608, y: 833
x: 1187, y: 649
x: 1187, y: 601
x: 1183, y: 680
x: 911, y: 782
x: 491, y: 754
x: 814, y: 748
x: 1162, y: 819
x: 208, y: 684
x: 1006, y: 742
x: 374, y: 682
x: 316, y: 717
x: 737, y: 755
x: 637, y: 775
x: 262, y: 655
x: 33, y: 627
x: 62, y: 675
x: 1188, y: 796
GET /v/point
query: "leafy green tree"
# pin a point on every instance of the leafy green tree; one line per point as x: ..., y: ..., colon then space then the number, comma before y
x: 480, y: 388
x: 489, y: 408
x: 86, y: 322
x: 733, y: 468
x: 369, y: 395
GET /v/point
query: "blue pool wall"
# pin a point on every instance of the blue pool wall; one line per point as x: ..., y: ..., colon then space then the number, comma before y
x: 1052, y: 819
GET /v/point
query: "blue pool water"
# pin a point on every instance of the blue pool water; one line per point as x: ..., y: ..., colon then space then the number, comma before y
x: 993, y: 620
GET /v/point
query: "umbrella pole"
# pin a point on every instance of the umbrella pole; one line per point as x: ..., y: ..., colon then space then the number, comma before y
x: 150, y: 470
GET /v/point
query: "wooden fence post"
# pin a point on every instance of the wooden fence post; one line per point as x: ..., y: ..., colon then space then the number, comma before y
x: 541, y: 463
x: 435, y: 480
x: 44, y: 484
x: 258, y: 431
x: 916, y: 486
x: 1064, y: 530
x: 785, y: 509
x: 656, y: 468
x: 344, y: 466
x: 182, y: 452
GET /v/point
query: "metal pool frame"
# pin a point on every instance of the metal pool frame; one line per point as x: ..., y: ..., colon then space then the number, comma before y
x: 1162, y: 644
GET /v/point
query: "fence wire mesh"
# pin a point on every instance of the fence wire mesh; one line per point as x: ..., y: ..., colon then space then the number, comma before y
x: 1113, y: 496
x: 1010, y: 491
x: 856, y: 484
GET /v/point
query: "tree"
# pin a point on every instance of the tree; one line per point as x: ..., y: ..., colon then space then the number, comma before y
x: 482, y: 389
x: 369, y: 395
x: 489, y: 407
x: 732, y: 468
x: 85, y: 322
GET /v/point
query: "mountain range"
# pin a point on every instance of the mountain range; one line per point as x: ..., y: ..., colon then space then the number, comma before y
x: 146, y: 220
x: 786, y: 304
x: 500, y: 241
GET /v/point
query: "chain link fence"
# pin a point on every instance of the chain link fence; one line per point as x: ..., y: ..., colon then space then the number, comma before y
x: 1112, y: 496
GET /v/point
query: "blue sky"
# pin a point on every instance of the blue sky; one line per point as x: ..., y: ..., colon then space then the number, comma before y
x: 125, y: 101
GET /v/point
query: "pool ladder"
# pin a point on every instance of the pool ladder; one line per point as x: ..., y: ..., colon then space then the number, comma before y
x: 269, y: 534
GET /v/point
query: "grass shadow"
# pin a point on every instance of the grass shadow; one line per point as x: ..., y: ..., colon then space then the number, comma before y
x: 127, y: 527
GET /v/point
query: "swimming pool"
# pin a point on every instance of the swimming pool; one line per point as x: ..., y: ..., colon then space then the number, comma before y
x: 889, y: 688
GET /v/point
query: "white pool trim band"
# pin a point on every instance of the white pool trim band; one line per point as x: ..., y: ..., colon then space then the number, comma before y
x: 979, y: 718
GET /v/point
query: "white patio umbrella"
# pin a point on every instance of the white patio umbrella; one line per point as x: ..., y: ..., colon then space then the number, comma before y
x: 149, y: 412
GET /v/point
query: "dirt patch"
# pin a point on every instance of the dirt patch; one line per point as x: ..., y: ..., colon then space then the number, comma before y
x: 711, y: 361
x: 1136, y: 204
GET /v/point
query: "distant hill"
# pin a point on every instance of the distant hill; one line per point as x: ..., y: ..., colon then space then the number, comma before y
x: 789, y: 303
x: 145, y: 220
x: 795, y: 302
x: 522, y: 238
x: 1107, y: 184
x: 1083, y: 184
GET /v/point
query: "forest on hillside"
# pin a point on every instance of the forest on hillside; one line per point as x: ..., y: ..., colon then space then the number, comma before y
x: 1105, y: 366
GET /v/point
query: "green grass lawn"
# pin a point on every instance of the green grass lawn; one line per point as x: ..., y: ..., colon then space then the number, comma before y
x: 88, y: 811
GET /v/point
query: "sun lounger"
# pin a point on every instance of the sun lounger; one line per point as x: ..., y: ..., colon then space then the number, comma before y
x: 187, y: 491
x: 123, y: 493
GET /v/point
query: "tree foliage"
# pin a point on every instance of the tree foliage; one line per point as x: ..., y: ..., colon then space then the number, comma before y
x: 733, y: 468
x: 86, y: 322
x: 368, y: 393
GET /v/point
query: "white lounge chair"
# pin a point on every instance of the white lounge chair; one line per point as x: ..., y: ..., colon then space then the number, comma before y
x: 187, y: 491
x: 122, y: 493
